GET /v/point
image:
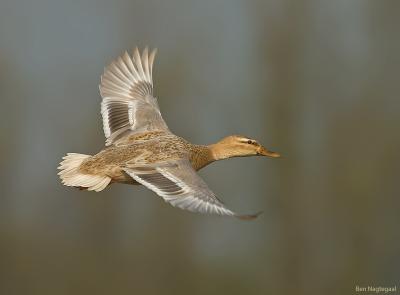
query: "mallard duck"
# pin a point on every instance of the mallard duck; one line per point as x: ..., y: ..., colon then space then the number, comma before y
x: 140, y: 149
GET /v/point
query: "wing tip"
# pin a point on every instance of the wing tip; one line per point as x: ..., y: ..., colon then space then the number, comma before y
x: 248, y: 217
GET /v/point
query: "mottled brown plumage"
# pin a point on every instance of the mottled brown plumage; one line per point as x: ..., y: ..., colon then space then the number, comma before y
x: 140, y: 149
x: 144, y: 148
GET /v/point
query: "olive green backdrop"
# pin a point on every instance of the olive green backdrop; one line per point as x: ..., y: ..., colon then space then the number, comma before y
x: 317, y: 81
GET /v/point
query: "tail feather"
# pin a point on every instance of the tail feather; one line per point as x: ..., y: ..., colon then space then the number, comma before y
x: 71, y: 176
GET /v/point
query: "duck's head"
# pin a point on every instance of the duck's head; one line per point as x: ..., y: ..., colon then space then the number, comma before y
x: 240, y: 146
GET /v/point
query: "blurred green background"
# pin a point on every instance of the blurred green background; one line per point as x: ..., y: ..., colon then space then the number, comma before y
x: 317, y: 81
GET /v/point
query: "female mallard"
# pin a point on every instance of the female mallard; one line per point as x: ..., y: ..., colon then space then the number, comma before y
x: 140, y: 149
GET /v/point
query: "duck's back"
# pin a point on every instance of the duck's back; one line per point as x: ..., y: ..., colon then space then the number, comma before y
x: 147, y: 148
x: 142, y: 149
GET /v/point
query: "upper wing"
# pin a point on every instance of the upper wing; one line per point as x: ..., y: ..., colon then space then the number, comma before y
x: 179, y: 184
x: 128, y: 104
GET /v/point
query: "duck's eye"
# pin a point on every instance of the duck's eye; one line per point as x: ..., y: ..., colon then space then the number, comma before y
x: 249, y: 141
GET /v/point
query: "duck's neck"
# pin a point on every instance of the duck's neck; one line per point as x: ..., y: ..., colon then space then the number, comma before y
x: 206, y: 154
x: 201, y: 156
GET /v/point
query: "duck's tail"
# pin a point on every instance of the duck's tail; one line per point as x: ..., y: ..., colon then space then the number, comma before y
x: 71, y: 176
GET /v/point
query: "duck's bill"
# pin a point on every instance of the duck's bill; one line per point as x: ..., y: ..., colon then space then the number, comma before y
x: 264, y: 152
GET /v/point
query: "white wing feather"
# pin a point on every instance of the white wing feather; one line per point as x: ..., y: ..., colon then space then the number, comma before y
x: 128, y: 104
x: 179, y: 184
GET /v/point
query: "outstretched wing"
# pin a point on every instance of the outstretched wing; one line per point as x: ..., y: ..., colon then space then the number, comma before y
x: 179, y: 184
x: 128, y: 104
